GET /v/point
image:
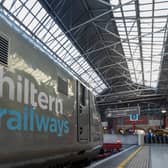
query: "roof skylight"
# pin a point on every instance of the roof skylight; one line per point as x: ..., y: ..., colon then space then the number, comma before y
x: 142, y: 27
x: 34, y: 20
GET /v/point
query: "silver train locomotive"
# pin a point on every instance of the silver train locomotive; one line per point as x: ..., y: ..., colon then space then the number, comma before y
x: 46, y: 115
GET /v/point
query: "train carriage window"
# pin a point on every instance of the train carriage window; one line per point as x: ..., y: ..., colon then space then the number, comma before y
x: 3, y: 51
x: 82, y: 95
x: 62, y: 86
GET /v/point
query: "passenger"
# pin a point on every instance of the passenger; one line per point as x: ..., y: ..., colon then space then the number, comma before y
x: 150, y: 136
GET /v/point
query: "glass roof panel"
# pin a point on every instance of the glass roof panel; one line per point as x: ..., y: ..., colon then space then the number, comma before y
x: 28, y: 19
x: 146, y: 31
x: 30, y: 3
x: 41, y: 14
x: 8, y: 4
x: 22, y: 13
x: 33, y: 24
x: 35, y: 9
x: 129, y: 13
x: 31, y: 14
x: 144, y: 1
x: 128, y: 6
x: 117, y: 14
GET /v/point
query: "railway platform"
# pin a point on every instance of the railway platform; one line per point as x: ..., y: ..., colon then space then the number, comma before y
x: 114, y: 160
x: 147, y: 156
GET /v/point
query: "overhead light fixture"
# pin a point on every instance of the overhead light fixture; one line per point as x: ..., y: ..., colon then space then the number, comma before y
x: 163, y: 111
x: 109, y: 115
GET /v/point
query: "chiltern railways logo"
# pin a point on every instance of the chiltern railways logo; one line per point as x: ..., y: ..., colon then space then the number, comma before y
x: 24, y: 91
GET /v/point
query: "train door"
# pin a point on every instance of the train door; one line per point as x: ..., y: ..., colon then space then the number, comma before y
x: 83, y: 113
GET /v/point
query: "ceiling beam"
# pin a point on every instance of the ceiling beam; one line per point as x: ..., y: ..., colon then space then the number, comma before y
x: 127, y: 38
x: 139, y: 38
x: 132, y: 101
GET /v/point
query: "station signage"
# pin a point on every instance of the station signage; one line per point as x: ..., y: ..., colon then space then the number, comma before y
x: 134, y: 117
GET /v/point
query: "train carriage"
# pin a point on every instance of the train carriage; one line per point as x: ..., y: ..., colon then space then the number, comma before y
x: 45, y: 113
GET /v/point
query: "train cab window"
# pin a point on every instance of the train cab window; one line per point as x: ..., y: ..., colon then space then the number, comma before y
x: 62, y: 86
x: 3, y: 51
x: 82, y: 95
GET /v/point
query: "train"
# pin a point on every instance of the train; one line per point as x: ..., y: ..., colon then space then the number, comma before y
x: 47, y: 116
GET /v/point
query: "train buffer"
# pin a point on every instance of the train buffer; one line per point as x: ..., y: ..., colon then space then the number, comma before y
x: 107, y: 147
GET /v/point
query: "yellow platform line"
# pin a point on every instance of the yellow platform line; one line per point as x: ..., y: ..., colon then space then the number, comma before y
x: 124, y: 162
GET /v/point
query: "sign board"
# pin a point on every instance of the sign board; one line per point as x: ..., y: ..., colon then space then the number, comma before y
x: 134, y: 117
x: 123, y: 112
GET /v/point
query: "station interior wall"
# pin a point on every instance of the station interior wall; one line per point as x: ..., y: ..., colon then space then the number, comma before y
x: 144, y: 122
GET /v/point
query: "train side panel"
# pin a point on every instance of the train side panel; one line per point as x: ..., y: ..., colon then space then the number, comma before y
x: 43, y: 117
x: 39, y: 108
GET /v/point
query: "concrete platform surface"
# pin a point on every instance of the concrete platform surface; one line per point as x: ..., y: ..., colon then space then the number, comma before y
x: 151, y: 156
x: 114, y: 160
x: 148, y: 156
x: 159, y: 156
x: 141, y: 160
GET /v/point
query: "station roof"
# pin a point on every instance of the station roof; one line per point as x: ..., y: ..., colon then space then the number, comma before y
x: 34, y: 19
x: 124, y: 41
x: 119, y: 48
